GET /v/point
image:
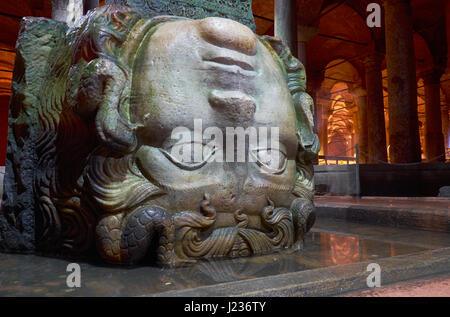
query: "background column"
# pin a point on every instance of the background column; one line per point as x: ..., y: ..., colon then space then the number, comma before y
x: 434, y: 139
x: 376, y: 129
x: 402, y: 85
x: 286, y: 23
x: 363, y: 140
x: 67, y: 10
x: 304, y: 35
x: 445, y: 126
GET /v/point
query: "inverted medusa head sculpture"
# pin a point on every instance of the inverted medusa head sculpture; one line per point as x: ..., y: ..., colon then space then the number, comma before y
x: 91, y: 139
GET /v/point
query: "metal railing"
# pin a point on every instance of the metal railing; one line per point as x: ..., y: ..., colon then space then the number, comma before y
x: 337, y: 159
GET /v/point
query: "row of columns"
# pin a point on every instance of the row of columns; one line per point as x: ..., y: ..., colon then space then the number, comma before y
x: 404, y: 136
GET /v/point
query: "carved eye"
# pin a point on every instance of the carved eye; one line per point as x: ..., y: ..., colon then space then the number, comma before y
x: 190, y: 155
x: 270, y: 160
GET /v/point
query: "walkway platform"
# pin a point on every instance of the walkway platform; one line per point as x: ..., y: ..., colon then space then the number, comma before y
x: 423, y: 213
x: 333, y: 262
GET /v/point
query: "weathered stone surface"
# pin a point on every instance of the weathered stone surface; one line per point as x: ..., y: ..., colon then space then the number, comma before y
x: 238, y: 10
x: 93, y: 159
x: 37, y: 38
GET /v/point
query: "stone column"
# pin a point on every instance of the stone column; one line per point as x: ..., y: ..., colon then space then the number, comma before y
x: 314, y: 89
x: 446, y: 109
x: 67, y: 10
x: 434, y: 139
x: 304, y: 35
x: 445, y: 126
x: 286, y: 23
x: 360, y: 96
x: 402, y: 86
x: 376, y: 130
x: 323, y: 132
x: 447, y: 23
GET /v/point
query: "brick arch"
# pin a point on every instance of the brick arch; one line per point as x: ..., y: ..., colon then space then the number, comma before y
x: 345, y: 23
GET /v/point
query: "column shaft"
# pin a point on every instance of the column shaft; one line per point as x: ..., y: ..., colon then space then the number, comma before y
x: 363, y: 139
x: 305, y: 33
x: 434, y: 139
x: 67, y: 10
x: 402, y: 85
x: 445, y: 127
x: 286, y: 23
x: 376, y: 129
x: 301, y: 55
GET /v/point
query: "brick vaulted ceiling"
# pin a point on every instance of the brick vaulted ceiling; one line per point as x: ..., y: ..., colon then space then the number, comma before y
x: 346, y: 19
x: 341, y: 18
x: 342, y: 40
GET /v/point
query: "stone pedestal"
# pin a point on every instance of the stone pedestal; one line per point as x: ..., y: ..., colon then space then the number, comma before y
x: 286, y: 23
x: 402, y: 86
x: 434, y: 139
x: 360, y: 96
x: 376, y: 130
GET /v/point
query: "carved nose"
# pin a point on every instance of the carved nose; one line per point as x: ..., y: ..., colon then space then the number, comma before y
x: 228, y: 34
x: 235, y: 105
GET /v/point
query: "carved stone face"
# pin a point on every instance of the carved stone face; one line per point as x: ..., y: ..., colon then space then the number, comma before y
x: 218, y: 71
x: 102, y: 132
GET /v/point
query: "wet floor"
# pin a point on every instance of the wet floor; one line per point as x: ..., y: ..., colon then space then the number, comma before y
x: 332, y: 242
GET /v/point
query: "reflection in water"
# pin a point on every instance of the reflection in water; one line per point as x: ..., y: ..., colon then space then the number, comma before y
x: 344, y: 249
x: 338, y: 249
x: 35, y: 275
x: 221, y: 271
